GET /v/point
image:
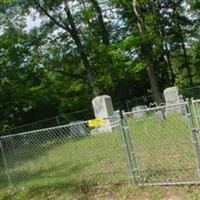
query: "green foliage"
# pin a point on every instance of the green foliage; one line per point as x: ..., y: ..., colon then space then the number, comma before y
x: 42, y: 72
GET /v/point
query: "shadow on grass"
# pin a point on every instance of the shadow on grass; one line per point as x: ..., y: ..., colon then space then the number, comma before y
x: 54, y: 174
x: 3, y: 182
x: 73, y: 189
x: 3, y: 177
x: 20, y: 151
x: 66, y: 180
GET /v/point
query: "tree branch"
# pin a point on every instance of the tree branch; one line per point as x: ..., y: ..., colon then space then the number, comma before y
x: 66, y: 28
x: 67, y: 11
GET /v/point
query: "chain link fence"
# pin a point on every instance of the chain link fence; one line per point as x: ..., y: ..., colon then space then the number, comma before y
x: 62, y: 119
x: 73, y: 154
x: 153, y: 146
x: 166, y: 149
x: 149, y: 100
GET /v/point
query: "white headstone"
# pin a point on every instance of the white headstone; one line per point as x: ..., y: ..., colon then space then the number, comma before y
x: 159, y: 115
x: 172, y: 96
x: 103, y: 108
x: 78, y: 128
x: 139, y: 111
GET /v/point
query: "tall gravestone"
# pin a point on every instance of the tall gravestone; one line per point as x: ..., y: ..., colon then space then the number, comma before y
x: 173, y: 101
x: 103, y: 108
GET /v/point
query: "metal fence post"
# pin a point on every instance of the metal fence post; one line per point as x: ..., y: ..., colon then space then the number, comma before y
x: 194, y: 132
x: 129, y: 151
x: 5, y: 164
x: 196, y: 147
x: 196, y: 113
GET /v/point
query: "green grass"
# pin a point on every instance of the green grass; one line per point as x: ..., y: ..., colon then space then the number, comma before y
x: 94, y: 167
x: 88, y: 162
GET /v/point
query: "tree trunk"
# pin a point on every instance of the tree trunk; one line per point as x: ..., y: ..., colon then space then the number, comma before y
x: 81, y: 50
x: 147, y: 52
x: 173, y: 76
x: 72, y: 30
x: 185, y: 55
x: 103, y: 30
x: 168, y: 75
x: 168, y: 56
x: 165, y: 48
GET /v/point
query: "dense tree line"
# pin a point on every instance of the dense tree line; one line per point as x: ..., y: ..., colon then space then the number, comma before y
x: 77, y: 49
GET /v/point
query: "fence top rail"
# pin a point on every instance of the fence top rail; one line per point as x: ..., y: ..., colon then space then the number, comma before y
x: 44, y: 129
x: 195, y: 100
x: 154, y: 108
x: 55, y: 127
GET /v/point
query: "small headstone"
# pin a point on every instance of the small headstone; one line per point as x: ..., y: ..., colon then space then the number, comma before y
x: 103, y: 108
x: 139, y: 111
x: 78, y: 128
x: 172, y: 97
x: 115, y: 120
x: 159, y: 115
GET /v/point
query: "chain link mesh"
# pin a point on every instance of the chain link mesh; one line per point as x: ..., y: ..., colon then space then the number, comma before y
x: 160, y: 144
x: 72, y: 154
x: 163, y: 145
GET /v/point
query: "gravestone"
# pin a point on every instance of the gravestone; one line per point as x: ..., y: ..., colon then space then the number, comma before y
x: 159, y: 115
x: 103, y: 108
x: 78, y: 128
x: 115, y: 121
x: 172, y: 97
x: 139, y: 111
